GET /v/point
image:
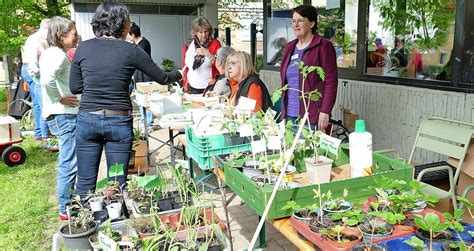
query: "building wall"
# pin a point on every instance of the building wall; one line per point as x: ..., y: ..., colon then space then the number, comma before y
x: 393, y: 113
x: 166, y: 33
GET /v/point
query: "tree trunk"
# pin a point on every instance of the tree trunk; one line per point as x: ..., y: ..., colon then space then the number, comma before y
x: 9, y: 71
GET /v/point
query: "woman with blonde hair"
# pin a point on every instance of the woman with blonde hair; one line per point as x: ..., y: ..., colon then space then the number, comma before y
x: 199, y: 58
x: 244, y: 82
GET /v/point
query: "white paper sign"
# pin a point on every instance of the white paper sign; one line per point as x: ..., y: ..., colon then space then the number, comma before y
x: 258, y: 146
x: 246, y: 104
x: 329, y: 143
x: 106, y: 243
x: 246, y: 131
x: 274, y: 143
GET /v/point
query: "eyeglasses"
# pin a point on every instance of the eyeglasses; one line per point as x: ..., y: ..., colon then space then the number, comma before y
x: 299, y: 21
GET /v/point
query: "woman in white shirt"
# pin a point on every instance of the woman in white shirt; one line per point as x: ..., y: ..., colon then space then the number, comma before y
x: 60, y: 107
x: 199, y: 57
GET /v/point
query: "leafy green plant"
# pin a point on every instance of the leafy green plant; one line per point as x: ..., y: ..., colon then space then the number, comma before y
x: 113, y: 234
x: 416, y: 243
x: 334, y: 233
x: 305, y: 212
x: 168, y: 65
x: 349, y: 217
x: 431, y: 223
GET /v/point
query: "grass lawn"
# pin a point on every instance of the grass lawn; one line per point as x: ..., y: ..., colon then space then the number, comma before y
x: 28, y: 204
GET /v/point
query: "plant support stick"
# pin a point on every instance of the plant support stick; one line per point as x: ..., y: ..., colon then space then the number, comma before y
x: 277, y: 184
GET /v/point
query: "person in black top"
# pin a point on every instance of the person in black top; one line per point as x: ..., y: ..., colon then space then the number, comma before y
x: 135, y: 36
x: 101, y: 71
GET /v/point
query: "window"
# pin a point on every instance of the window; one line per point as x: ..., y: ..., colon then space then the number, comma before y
x: 419, y: 45
x: 337, y: 22
x: 279, y: 31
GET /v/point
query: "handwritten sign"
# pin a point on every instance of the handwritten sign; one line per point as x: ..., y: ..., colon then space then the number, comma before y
x: 329, y: 144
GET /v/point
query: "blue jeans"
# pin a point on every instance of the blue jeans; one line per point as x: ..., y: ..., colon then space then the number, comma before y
x: 94, y: 132
x: 149, y: 116
x: 36, y: 104
x: 63, y: 126
x: 43, y: 125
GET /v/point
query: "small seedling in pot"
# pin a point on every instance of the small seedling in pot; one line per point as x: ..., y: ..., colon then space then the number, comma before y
x: 431, y: 223
x: 298, y: 210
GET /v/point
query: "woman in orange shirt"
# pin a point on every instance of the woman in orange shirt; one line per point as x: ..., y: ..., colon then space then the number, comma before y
x: 244, y: 82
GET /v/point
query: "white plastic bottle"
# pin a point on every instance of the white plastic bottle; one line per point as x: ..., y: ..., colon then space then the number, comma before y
x: 360, y: 150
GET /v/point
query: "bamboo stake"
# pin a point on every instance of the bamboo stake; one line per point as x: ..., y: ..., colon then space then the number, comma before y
x: 224, y: 203
x: 277, y: 184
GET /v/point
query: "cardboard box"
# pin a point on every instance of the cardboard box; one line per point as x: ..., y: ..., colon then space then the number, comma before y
x: 466, y: 177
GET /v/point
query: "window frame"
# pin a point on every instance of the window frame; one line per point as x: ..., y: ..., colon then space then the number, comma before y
x: 458, y: 82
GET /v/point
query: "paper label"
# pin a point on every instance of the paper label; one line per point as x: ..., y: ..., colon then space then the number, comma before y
x: 246, y: 131
x: 274, y: 143
x: 258, y: 146
x: 246, y: 104
x: 329, y: 144
x: 106, y: 243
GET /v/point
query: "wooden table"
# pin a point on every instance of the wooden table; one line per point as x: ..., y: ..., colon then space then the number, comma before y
x: 282, y: 225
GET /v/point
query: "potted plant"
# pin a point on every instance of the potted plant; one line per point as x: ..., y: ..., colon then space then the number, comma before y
x: 113, y: 234
x: 94, y: 242
x: 96, y: 201
x: 322, y: 221
x: 336, y: 204
x: 431, y: 228
x: 340, y: 234
x: 299, y: 213
x: 373, y: 228
x: 138, y: 159
x: 78, y: 229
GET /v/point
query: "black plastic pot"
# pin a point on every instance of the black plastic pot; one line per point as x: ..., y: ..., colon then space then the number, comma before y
x: 101, y: 216
x: 165, y: 204
x: 77, y: 241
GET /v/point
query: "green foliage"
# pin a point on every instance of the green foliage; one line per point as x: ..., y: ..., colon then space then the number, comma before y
x: 14, y: 15
x: 28, y: 207
x: 415, y: 243
x: 334, y: 233
x: 168, y: 65
x: 430, y: 21
x: 430, y: 223
x: 259, y: 62
x: 113, y: 234
x: 349, y: 217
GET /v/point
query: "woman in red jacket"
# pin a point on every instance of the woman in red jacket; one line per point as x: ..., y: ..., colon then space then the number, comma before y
x: 315, y: 50
x: 199, y: 58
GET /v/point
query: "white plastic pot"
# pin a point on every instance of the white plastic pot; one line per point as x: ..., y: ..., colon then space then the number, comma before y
x: 114, y: 210
x: 318, y: 172
x: 97, y: 204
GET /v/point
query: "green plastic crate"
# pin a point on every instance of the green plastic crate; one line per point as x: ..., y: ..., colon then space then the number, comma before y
x: 202, y: 148
x: 257, y: 197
